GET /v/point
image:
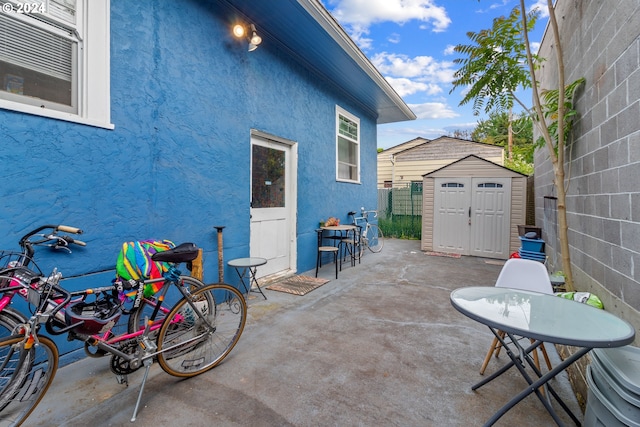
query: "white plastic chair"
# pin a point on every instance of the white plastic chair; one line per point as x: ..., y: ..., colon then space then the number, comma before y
x: 526, y: 275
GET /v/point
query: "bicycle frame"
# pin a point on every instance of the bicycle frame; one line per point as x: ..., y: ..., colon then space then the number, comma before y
x: 21, y: 266
x: 370, y: 233
x: 17, y: 268
x: 145, y: 338
x: 107, y: 340
x: 364, y: 216
x: 50, y: 307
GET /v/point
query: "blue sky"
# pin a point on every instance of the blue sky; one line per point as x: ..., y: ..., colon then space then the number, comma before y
x: 411, y: 43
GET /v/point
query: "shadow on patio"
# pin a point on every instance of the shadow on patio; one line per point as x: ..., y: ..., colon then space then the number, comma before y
x: 381, y: 345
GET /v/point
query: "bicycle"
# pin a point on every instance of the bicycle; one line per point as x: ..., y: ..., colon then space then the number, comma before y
x: 199, y: 329
x: 20, y: 265
x: 370, y: 234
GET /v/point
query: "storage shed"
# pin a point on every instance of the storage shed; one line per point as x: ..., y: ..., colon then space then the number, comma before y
x: 406, y: 163
x: 473, y: 207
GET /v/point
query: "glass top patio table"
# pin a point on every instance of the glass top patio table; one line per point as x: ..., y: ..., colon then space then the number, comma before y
x: 247, y: 268
x: 247, y: 262
x: 543, y: 317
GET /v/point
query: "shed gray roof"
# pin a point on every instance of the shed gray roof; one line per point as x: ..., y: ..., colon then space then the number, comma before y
x: 473, y: 157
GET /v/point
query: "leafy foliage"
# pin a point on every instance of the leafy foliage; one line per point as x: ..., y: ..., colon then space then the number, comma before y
x: 495, y: 130
x: 519, y: 164
x: 496, y: 65
x: 500, y: 62
x: 550, y: 110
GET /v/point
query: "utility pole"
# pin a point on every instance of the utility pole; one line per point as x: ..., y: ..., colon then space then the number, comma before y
x: 510, y: 137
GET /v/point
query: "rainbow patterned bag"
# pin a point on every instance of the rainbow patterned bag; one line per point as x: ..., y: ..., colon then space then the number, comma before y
x: 134, y: 262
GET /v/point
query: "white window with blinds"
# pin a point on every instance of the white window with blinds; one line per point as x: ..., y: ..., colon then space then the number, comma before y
x: 54, y: 59
x: 347, y: 146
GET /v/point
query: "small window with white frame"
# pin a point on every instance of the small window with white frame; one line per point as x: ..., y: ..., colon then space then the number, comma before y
x: 45, y: 66
x: 347, y: 146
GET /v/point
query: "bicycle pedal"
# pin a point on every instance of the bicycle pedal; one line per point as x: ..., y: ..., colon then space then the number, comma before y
x: 147, y: 345
x: 122, y: 379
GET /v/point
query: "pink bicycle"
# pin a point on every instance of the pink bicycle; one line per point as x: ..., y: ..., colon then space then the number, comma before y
x: 188, y: 327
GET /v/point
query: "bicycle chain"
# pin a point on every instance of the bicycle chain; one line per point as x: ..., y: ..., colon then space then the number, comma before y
x: 122, y: 366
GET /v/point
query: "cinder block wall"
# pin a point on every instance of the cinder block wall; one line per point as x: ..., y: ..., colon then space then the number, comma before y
x: 601, y: 42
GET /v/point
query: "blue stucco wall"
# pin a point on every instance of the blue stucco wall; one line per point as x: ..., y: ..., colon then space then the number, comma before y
x: 184, y: 96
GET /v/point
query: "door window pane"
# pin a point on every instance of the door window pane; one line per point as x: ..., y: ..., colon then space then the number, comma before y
x: 267, y: 178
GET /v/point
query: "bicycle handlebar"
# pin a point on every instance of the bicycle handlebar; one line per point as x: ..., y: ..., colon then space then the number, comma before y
x: 364, y: 214
x: 74, y: 241
x: 50, y: 239
x: 68, y: 229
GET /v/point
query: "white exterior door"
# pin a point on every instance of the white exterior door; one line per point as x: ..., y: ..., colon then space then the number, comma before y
x: 472, y: 216
x: 452, y: 201
x: 490, y: 217
x: 273, y: 205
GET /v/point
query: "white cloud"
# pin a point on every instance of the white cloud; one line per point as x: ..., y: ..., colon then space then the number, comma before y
x: 499, y: 5
x: 449, y: 50
x: 406, y: 87
x: 542, y: 7
x: 461, y: 126
x: 394, y: 38
x: 390, y: 135
x: 535, y: 46
x: 362, y: 13
x: 394, y: 134
x: 425, y: 68
x: 433, y: 110
x: 359, y: 38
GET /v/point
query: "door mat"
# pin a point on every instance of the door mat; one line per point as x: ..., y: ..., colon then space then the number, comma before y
x: 298, y: 285
x: 443, y: 254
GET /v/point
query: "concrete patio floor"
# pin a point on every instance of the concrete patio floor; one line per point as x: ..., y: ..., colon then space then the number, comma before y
x: 380, y: 346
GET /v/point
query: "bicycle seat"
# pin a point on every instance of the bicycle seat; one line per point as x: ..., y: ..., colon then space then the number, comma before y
x: 184, y: 252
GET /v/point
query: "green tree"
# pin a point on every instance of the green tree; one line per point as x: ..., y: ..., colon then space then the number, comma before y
x: 461, y: 134
x: 499, y: 129
x: 497, y: 64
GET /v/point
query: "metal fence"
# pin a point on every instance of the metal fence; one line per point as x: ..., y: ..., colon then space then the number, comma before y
x: 400, y: 210
x: 401, y: 200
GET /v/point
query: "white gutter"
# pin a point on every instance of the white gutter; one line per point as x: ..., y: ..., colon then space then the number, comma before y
x: 322, y: 16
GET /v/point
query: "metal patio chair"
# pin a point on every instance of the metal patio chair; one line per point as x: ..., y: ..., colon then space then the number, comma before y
x: 526, y: 275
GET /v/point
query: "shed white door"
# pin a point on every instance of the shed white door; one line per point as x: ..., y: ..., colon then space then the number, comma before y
x: 452, y: 201
x: 472, y: 216
x: 272, y: 206
x: 490, y: 217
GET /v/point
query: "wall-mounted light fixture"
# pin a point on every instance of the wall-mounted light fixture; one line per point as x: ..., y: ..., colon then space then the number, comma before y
x: 250, y: 33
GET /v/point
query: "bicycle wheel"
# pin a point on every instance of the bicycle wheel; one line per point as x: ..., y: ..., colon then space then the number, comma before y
x: 25, y: 376
x: 10, y: 319
x: 375, y: 240
x: 193, y: 342
x: 147, y: 305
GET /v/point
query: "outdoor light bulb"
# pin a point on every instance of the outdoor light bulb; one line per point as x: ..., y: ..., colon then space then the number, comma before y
x: 238, y: 30
x: 256, y: 39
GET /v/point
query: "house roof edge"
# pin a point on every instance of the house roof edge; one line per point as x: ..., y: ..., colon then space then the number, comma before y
x: 338, y: 33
